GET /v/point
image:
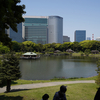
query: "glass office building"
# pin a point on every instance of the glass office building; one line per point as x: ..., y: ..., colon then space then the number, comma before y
x: 88, y: 38
x: 39, y: 29
x: 16, y: 36
x: 35, y: 30
x: 80, y: 35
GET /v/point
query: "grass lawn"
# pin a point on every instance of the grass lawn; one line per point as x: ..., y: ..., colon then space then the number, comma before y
x: 90, y: 55
x: 81, y: 91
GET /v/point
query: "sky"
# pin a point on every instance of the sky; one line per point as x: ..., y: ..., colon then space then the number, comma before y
x: 77, y: 14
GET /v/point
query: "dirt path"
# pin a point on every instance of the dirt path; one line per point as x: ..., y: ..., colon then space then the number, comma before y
x: 39, y: 85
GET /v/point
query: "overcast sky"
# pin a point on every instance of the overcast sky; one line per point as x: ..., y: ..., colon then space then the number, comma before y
x: 77, y: 14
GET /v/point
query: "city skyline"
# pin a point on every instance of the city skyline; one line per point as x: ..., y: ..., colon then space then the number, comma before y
x: 77, y: 14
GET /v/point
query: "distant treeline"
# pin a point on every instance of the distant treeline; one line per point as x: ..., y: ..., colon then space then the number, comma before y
x: 29, y: 46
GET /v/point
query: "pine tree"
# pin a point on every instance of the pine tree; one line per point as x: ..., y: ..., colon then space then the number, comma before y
x: 9, y: 70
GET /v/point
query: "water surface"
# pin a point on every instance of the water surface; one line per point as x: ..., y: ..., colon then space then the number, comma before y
x: 57, y: 66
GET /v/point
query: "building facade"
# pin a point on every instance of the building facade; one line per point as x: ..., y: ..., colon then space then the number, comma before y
x: 66, y: 39
x: 16, y: 36
x: 98, y: 39
x: 55, y: 29
x: 35, y: 29
x: 79, y: 35
x: 88, y: 38
x: 39, y: 29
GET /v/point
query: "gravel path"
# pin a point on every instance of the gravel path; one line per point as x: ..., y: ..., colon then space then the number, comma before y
x: 39, y: 85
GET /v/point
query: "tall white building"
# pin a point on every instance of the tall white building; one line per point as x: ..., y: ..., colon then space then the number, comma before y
x: 55, y: 29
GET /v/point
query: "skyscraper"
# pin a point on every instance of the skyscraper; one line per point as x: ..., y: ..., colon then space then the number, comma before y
x: 66, y: 39
x: 16, y: 36
x: 80, y: 35
x: 35, y: 29
x: 88, y: 38
x: 40, y: 29
x: 55, y: 29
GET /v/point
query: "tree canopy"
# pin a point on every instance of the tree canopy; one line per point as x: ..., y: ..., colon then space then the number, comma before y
x: 84, y: 46
x: 10, y: 15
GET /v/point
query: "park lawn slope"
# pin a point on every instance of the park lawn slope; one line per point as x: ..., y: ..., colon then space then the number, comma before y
x: 80, y: 91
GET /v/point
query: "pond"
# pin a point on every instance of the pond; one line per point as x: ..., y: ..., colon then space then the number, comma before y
x: 48, y: 67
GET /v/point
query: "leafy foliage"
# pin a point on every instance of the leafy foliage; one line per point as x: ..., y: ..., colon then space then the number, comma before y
x: 5, y: 39
x: 84, y: 46
x: 10, y: 16
x: 9, y: 70
x: 4, y: 49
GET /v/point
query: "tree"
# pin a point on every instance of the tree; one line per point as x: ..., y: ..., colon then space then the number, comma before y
x: 28, y: 46
x: 9, y: 70
x: 5, y: 39
x: 87, y: 51
x: 10, y: 16
x: 15, y: 46
x: 39, y: 47
x: 75, y: 46
x: 4, y: 49
x: 58, y: 46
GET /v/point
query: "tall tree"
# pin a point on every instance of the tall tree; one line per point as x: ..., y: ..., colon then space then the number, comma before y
x: 16, y: 46
x: 10, y: 16
x: 9, y: 70
x: 4, y: 49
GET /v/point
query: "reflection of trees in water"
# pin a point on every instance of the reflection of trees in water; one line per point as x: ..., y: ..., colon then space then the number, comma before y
x: 49, y: 67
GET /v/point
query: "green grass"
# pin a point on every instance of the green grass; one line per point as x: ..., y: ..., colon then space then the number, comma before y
x: 76, y: 54
x: 81, y: 91
x: 90, y: 55
x: 18, y: 82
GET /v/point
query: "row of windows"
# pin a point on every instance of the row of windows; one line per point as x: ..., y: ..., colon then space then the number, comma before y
x: 41, y: 32
x: 35, y: 27
x: 28, y: 24
x: 37, y: 34
x: 35, y: 37
x: 43, y: 41
x: 36, y: 30
x: 36, y: 20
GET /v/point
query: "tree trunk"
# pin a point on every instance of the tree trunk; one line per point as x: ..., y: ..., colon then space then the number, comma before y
x: 8, y: 85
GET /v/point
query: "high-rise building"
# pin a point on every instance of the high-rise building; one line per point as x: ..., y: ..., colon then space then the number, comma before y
x: 16, y: 36
x: 40, y: 29
x: 98, y: 39
x: 80, y: 35
x: 35, y: 29
x: 55, y: 29
x: 88, y: 38
x: 66, y: 39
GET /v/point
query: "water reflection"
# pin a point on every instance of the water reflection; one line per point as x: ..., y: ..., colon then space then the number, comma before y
x: 57, y: 66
